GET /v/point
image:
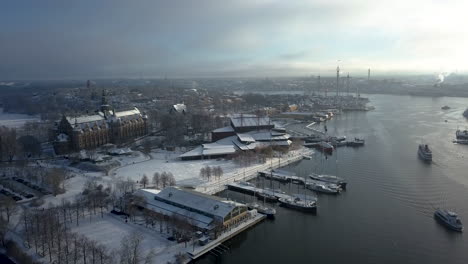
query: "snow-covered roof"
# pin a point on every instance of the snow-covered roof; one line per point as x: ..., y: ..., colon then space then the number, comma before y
x: 197, y: 219
x: 133, y: 111
x: 245, y: 137
x: 200, y: 202
x: 224, y: 129
x: 84, y: 119
x: 210, y: 149
x: 246, y: 120
x: 180, y: 108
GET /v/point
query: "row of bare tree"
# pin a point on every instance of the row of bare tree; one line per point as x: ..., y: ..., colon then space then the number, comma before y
x: 208, y: 172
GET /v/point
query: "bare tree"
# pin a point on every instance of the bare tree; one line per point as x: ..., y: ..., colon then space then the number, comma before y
x: 144, y: 180
x: 164, y: 179
x: 208, y: 172
x: 202, y: 173
x: 130, y: 249
x: 55, y: 179
x: 170, y: 179
x: 8, y: 145
x: 8, y: 206
x: 156, y: 179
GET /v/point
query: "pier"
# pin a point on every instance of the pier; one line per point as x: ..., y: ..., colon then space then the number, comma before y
x: 251, y: 173
x: 202, y: 250
x: 250, y: 189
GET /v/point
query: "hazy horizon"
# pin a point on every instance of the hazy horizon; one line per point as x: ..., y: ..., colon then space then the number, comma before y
x: 43, y: 40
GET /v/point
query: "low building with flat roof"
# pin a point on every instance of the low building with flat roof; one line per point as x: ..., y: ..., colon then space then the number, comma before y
x: 202, y: 211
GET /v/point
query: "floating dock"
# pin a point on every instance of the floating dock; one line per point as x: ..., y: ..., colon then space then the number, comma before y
x: 250, y: 189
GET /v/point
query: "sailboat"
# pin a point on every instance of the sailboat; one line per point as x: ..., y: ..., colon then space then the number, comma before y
x: 268, y: 211
x: 299, y: 202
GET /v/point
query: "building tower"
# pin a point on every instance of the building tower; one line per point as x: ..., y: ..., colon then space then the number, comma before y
x: 368, y: 74
x: 105, y: 107
x: 319, y: 86
x: 337, y: 84
x: 347, y: 85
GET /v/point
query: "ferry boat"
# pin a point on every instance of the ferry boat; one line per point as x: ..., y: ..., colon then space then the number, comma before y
x: 449, y: 219
x: 445, y: 107
x: 268, y: 211
x: 320, y: 186
x: 424, y: 152
x: 462, y: 134
x: 299, y: 204
x: 329, y: 179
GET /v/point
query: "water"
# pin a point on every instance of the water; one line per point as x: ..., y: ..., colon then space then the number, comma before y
x: 386, y: 215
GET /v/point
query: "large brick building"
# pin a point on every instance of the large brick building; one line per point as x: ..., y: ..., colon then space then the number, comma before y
x: 91, y: 131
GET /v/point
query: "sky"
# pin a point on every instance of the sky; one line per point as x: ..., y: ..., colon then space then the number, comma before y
x: 88, y: 39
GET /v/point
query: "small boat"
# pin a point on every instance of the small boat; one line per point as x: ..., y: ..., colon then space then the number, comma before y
x: 306, y: 157
x: 329, y: 179
x: 445, y: 107
x: 357, y: 142
x: 268, y: 211
x: 299, y: 204
x: 323, y: 187
x: 465, y: 114
x: 462, y: 134
x: 425, y: 152
x: 449, y: 219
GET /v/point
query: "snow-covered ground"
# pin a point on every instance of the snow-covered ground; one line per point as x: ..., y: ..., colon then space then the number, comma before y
x: 15, y: 120
x: 185, y: 172
x: 110, y: 230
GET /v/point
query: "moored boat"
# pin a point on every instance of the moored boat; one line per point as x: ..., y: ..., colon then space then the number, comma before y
x: 357, y: 142
x: 268, y: 211
x: 449, y: 219
x: 329, y: 179
x: 323, y: 187
x: 299, y: 204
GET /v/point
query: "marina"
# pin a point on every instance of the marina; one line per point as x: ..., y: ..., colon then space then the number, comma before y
x: 412, y: 189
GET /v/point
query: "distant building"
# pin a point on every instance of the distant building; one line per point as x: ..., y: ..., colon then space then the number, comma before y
x: 240, y: 124
x: 178, y: 108
x: 246, y: 133
x: 106, y: 126
x: 202, y: 211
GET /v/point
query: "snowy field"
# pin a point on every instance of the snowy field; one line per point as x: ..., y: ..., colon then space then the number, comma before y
x: 185, y: 172
x: 15, y: 120
x: 110, y: 230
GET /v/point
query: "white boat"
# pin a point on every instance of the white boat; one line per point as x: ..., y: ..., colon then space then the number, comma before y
x: 329, y: 179
x: 323, y: 187
x: 299, y: 204
x: 425, y: 152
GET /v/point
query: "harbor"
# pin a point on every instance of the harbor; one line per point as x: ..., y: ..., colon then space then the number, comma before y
x: 379, y: 194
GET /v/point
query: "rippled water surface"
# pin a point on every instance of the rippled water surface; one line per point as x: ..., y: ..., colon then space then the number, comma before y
x: 385, y: 215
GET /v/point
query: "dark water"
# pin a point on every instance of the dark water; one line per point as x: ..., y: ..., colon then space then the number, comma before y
x: 385, y: 216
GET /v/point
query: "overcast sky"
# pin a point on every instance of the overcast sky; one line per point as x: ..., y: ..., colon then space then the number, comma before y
x: 44, y: 39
